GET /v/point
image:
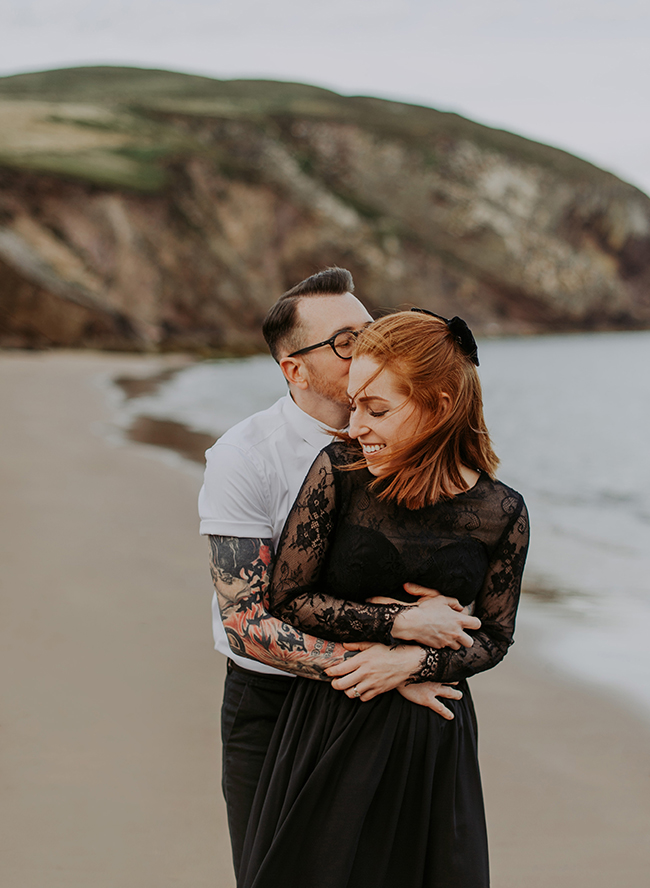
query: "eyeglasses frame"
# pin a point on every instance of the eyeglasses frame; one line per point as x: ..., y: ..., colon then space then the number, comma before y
x: 330, y: 342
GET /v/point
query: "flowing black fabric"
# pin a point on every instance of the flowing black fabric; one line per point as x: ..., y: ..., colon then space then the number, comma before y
x: 383, y: 794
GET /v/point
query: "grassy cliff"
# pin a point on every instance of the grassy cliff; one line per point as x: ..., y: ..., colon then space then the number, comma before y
x: 109, y: 124
x: 219, y: 194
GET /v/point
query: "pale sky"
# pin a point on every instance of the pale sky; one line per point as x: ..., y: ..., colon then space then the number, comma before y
x: 572, y: 73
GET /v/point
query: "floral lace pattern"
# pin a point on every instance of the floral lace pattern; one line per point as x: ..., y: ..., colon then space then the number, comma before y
x: 341, y: 546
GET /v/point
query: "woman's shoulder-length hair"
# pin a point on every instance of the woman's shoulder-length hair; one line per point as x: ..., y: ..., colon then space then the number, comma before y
x: 428, y: 361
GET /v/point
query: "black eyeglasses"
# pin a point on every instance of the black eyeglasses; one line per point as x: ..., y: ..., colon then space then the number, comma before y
x: 342, y: 344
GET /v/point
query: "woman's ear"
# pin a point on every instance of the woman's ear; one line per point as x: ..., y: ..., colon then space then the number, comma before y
x: 295, y: 372
x: 444, y: 404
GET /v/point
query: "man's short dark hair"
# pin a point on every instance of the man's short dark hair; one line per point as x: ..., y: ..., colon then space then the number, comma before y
x: 281, y: 326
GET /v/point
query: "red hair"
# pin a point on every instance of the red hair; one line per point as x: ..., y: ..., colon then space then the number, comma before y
x: 427, y: 362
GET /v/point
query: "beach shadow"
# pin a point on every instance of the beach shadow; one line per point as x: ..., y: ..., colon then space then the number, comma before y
x: 172, y: 435
x: 163, y: 432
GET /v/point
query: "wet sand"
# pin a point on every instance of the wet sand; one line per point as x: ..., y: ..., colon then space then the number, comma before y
x: 111, y: 689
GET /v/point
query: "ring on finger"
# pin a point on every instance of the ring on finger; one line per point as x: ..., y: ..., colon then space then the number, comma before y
x: 356, y: 692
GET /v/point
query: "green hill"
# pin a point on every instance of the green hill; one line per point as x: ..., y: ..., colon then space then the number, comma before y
x: 134, y: 104
x: 143, y: 208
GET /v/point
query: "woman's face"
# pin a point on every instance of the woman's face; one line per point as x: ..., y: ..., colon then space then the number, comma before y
x: 383, y: 419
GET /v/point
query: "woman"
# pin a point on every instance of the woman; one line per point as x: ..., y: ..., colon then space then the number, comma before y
x: 382, y: 792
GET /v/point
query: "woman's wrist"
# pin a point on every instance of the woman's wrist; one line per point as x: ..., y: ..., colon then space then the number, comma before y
x: 402, y: 624
x: 389, y: 613
x: 428, y: 666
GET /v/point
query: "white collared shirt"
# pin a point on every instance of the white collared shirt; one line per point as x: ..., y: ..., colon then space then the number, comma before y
x: 252, y: 477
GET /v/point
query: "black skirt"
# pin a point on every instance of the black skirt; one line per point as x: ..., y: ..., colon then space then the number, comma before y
x: 383, y: 794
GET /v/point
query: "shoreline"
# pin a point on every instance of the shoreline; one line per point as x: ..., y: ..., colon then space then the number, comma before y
x: 578, y: 554
x: 113, y: 688
x: 551, y: 611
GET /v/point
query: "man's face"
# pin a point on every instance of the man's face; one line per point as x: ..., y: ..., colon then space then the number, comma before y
x: 320, y: 317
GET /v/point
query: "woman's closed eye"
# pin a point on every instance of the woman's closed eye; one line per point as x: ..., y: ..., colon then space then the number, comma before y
x: 374, y: 413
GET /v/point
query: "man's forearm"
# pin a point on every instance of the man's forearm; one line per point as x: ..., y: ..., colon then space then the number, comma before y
x: 241, y: 572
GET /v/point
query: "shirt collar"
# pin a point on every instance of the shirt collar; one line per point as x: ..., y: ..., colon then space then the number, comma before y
x: 312, y: 430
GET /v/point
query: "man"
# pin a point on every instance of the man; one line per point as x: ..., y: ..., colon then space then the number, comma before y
x: 253, y: 475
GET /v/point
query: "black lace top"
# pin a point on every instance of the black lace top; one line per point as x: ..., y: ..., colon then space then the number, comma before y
x: 341, y: 545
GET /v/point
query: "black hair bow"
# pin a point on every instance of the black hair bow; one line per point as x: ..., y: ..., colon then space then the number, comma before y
x: 460, y: 331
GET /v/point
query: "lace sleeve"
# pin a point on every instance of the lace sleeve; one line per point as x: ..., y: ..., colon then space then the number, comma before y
x: 296, y: 593
x: 496, y: 607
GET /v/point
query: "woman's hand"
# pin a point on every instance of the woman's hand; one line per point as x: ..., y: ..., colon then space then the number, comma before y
x: 435, y: 621
x: 375, y: 669
x: 427, y: 693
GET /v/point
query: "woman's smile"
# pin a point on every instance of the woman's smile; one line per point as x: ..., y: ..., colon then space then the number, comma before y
x: 383, y: 419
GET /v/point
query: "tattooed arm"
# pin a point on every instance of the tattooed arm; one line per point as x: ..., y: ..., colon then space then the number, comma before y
x: 241, y: 571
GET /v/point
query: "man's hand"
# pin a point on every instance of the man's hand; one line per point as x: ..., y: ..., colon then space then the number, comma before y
x: 427, y: 694
x: 376, y: 669
x: 435, y: 621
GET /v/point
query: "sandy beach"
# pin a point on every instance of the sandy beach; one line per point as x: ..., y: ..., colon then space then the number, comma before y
x: 111, y: 689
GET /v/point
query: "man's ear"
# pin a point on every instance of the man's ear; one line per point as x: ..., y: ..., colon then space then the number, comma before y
x: 295, y: 372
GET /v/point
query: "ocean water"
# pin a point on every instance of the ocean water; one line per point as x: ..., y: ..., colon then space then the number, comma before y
x: 570, y: 419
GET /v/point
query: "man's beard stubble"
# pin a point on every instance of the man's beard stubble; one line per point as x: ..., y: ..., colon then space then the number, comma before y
x: 336, y: 392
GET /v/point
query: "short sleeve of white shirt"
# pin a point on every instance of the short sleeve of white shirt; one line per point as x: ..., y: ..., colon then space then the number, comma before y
x: 252, y: 476
x: 232, y: 501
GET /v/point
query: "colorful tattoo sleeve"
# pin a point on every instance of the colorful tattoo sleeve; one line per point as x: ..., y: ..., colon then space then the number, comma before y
x: 241, y: 571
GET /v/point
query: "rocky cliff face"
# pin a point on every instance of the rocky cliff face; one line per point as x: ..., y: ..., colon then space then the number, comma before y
x: 144, y: 209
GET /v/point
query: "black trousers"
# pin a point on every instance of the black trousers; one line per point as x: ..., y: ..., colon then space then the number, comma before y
x: 251, y: 706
